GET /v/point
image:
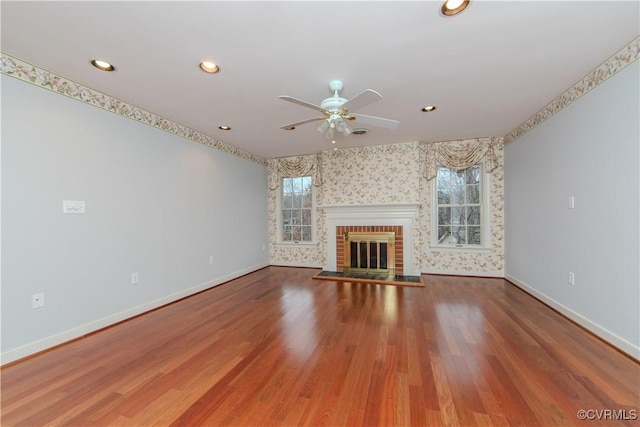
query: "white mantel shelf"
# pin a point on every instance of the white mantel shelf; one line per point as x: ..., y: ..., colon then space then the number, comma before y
x: 381, y: 209
x: 402, y: 214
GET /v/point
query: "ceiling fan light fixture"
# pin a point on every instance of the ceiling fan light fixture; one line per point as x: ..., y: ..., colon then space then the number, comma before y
x: 102, y: 65
x: 323, y: 126
x: 209, y: 67
x: 330, y: 133
x: 342, y: 127
x: 454, y: 7
x: 332, y: 124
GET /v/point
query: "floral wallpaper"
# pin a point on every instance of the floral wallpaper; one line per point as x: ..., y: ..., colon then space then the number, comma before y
x: 372, y: 175
x: 385, y: 175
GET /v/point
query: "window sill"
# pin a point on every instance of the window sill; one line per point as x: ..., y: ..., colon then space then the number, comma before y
x: 296, y: 244
x: 472, y: 249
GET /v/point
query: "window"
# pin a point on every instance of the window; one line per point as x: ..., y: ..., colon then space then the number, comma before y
x: 459, y: 207
x: 297, y: 210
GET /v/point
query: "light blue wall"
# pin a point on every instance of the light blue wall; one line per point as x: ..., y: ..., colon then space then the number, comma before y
x: 589, y: 150
x: 156, y: 204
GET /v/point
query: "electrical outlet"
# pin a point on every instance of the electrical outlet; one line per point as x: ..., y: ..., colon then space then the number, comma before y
x: 37, y: 300
x: 73, y: 206
x: 211, y: 260
x: 572, y: 278
x: 135, y: 278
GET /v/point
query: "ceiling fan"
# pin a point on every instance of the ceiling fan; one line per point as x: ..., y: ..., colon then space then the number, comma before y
x: 337, y: 111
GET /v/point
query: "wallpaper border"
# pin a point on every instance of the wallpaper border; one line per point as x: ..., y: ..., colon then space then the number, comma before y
x: 624, y: 57
x: 29, y: 73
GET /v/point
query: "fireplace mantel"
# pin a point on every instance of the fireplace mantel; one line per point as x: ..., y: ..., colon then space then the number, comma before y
x: 402, y: 214
x: 381, y: 210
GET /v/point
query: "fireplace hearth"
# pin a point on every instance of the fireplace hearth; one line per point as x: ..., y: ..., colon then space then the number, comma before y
x: 370, y: 278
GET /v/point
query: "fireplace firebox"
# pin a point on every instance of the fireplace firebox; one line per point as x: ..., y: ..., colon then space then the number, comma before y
x: 369, y: 252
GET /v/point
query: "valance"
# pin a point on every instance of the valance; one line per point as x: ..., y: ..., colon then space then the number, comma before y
x: 461, y: 154
x: 290, y: 167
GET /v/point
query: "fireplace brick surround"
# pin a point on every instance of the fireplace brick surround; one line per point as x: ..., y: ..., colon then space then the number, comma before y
x: 361, y: 217
x: 397, y: 229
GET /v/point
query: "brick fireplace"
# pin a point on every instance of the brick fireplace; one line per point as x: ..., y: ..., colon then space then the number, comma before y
x: 341, y: 251
x: 398, y: 218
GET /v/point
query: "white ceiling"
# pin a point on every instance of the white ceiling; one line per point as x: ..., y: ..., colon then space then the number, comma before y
x: 487, y: 69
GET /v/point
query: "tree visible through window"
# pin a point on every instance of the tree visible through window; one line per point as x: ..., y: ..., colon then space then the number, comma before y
x: 297, y: 204
x: 459, y: 206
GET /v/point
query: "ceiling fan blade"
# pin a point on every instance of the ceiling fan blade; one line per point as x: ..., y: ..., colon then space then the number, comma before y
x: 290, y: 125
x: 376, y: 121
x: 303, y: 103
x: 365, y: 97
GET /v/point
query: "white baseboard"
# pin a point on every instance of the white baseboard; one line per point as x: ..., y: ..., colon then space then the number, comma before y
x: 499, y: 274
x: 608, y: 336
x: 71, y: 334
x: 294, y: 264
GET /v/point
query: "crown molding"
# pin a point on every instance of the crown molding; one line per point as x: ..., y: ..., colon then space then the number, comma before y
x: 30, y: 73
x: 599, y: 75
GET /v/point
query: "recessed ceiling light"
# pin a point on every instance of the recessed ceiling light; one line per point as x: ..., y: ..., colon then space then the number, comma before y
x: 223, y: 127
x: 290, y: 128
x: 102, y: 65
x: 360, y: 131
x: 453, y: 7
x: 209, y: 67
x: 429, y: 108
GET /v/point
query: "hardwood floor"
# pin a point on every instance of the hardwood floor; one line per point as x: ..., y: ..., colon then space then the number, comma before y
x: 278, y: 348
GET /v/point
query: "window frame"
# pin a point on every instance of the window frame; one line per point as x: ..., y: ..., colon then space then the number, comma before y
x: 485, y: 214
x: 279, y: 215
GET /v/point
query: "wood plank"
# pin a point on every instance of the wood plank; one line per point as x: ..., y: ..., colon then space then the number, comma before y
x: 278, y: 348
